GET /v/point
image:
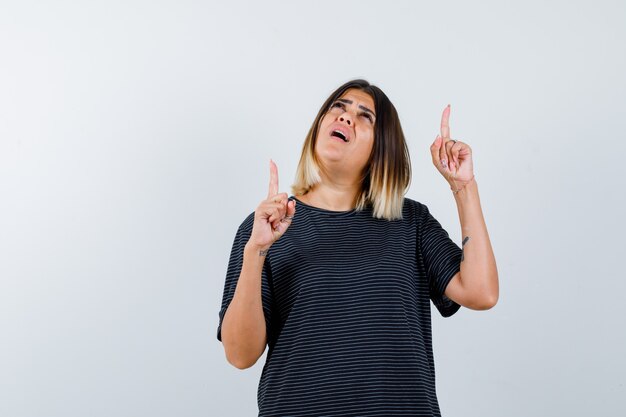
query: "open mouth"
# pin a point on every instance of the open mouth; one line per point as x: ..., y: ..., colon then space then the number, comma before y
x: 339, y: 134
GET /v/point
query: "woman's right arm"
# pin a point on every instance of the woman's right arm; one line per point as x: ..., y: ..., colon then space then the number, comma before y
x: 243, y: 327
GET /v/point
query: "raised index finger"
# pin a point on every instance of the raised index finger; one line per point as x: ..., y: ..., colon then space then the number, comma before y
x: 273, y: 180
x: 445, y: 123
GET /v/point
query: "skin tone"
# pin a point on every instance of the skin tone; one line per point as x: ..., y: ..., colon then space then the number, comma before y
x: 341, y: 163
x: 475, y: 286
x: 341, y: 166
x: 273, y: 216
x: 243, y: 328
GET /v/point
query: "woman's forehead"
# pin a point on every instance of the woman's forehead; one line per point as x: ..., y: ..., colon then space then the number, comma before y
x: 361, y: 97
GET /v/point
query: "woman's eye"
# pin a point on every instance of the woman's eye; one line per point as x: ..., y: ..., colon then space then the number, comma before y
x: 367, y: 116
x: 338, y: 104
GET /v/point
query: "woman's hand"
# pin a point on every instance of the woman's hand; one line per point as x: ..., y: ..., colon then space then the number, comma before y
x: 273, y: 216
x: 452, y: 158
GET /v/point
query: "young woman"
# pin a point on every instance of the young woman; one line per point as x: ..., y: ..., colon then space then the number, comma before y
x: 337, y: 279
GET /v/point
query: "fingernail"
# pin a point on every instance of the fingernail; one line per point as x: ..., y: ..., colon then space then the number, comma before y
x: 444, y: 163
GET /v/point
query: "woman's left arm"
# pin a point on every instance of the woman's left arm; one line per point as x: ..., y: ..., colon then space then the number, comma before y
x: 476, y: 285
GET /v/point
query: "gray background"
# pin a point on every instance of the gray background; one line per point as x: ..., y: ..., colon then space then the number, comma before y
x: 135, y: 138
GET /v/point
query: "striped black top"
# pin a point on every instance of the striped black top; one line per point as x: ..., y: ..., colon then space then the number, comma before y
x: 346, y: 299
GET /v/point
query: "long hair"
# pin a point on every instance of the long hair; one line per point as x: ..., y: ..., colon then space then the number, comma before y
x: 387, y: 174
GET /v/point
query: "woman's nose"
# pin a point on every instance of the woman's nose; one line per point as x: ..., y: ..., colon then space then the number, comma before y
x: 346, y: 118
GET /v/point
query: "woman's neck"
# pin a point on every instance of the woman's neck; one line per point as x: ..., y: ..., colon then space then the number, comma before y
x: 335, y: 197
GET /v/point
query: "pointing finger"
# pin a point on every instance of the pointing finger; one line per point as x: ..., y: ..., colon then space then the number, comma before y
x: 273, y: 179
x: 445, y: 123
x: 279, y: 198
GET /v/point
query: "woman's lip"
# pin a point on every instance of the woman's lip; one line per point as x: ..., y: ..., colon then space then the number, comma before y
x: 341, y: 129
x: 344, y: 139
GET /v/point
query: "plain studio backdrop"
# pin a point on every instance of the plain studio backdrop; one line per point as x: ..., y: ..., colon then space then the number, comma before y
x: 135, y: 137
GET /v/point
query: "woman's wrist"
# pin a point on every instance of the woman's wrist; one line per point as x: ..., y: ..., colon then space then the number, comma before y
x: 468, y: 194
x: 257, y: 250
x: 458, y: 186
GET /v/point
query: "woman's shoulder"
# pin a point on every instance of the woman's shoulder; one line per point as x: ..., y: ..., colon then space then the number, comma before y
x: 246, y: 225
x: 414, y: 207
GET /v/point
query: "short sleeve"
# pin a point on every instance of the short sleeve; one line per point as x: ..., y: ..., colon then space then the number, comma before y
x: 442, y: 260
x: 235, y: 264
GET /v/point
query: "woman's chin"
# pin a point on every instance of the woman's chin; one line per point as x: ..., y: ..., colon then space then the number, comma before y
x: 330, y: 155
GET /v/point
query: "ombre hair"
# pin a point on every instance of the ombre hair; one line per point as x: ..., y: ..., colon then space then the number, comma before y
x: 387, y: 174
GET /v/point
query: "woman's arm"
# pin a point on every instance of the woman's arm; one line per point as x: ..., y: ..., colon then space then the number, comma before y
x: 244, y: 332
x: 243, y: 327
x: 476, y: 285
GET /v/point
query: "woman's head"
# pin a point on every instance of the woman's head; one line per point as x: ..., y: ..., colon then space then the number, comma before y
x: 372, y: 146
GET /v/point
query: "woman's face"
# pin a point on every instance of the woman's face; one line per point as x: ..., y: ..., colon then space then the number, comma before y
x: 346, y: 134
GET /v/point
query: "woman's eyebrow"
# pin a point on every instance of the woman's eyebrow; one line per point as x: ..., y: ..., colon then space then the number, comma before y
x: 343, y: 100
